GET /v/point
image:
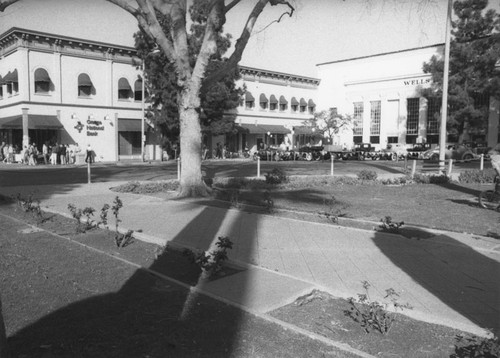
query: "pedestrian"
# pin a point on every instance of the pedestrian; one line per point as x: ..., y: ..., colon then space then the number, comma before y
x: 89, y: 154
x: 5, y: 153
x: 2, y: 146
x: 32, y: 154
x: 62, y: 154
x: 45, y: 153
x: 11, y: 154
x: 54, y: 155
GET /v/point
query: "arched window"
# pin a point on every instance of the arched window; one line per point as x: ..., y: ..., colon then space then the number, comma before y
x: 273, y: 103
x: 85, y: 87
x: 42, y: 81
x: 283, y: 103
x: 311, y: 105
x: 12, y: 82
x: 124, y: 89
x: 263, y: 101
x: 249, y: 100
x: 138, y: 90
x: 295, y: 104
x: 303, y: 105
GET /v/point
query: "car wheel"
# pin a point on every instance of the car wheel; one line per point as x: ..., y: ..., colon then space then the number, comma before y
x: 468, y: 157
x: 435, y: 156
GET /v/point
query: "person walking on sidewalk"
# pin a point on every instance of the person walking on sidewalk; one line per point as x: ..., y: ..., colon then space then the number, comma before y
x: 89, y: 154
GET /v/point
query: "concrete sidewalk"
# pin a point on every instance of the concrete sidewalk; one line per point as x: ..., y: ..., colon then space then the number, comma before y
x: 449, y: 279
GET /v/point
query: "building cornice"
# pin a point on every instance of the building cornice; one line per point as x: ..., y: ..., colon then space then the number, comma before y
x: 261, y: 75
x: 16, y: 38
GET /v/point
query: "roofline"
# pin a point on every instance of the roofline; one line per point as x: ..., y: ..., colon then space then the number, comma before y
x: 276, y: 73
x: 380, y: 54
x: 13, y: 30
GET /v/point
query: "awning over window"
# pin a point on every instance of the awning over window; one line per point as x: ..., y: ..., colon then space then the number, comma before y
x: 249, y: 97
x: 11, y: 76
x: 123, y: 84
x: 303, y: 102
x: 302, y: 130
x: 35, y: 121
x: 295, y: 102
x: 84, y: 80
x: 311, y: 103
x: 273, y: 99
x: 264, y: 128
x: 138, y: 85
x: 263, y: 98
x: 41, y: 75
x: 283, y: 100
x: 131, y: 125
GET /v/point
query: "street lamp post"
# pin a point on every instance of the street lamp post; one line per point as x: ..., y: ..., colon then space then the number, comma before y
x: 143, y: 139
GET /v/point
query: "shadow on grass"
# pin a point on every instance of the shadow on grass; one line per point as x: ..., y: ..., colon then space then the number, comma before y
x: 460, y: 277
x: 145, y: 317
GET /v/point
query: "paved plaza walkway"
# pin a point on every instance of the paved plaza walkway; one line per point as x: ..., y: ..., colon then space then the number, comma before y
x: 449, y: 278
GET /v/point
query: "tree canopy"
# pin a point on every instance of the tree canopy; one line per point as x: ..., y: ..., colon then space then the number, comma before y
x: 162, y: 88
x: 329, y: 123
x: 474, y: 50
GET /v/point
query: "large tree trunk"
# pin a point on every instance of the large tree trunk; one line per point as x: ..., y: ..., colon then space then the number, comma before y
x: 191, y: 183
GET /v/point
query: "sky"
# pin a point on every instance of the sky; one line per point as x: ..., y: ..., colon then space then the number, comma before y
x: 319, y: 31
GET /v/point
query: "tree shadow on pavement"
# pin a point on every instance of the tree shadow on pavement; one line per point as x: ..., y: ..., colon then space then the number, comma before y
x: 146, y: 317
x: 459, y: 276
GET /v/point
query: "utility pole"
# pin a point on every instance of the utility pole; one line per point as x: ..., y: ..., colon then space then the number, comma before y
x: 444, y: 103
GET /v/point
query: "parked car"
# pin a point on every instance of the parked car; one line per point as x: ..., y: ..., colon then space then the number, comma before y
x: 455, y: 152
x: 394, y: 151
x: 416, y: 150
x: 366, y: 151
x: 315, y: 152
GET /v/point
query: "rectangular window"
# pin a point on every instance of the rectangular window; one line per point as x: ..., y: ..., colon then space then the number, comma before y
x: 1, y: 91
x: 84, y: 91
x: 273, y: 106
x: 283, y: 107
x: 357, y: 139
x: 358, y: 118
x: 295, y: 107
x: 433, y: 115
x: 375, y: 139
x: 412, y: 114
x: 302, y: 109
x: 375, y: 118
x: 392, y: 140
x: 311, y: 110
x: 42, y: 87
x: 9, y: 89
x: 263, y: 105
x: 249, y: 104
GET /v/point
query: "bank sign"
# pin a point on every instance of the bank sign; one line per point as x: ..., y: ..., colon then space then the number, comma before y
x: 416, y: 82
x: 94, y: 127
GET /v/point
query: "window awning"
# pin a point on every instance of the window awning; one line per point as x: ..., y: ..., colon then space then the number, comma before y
x: 264, y: 128
x: 123, y: 84
x: 249, y: 97
x: 84, y: 80
x: 273, y: 99
x: 311, y: 103
x: 138, y: 85
x: 41, y: 75
x: 263, y: 98
x: 11, y: 76
x: 295, y: 102
x: 303, y: 102
x: 283, y: 100
x: 303, y: 130
x: 35, y: 121
x: 131, y: 125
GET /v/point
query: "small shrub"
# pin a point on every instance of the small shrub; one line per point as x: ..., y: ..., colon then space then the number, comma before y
x: 397, y: 181
x: 367, y: 175
x: 121, y: 240
x: 477, y: 176
x: 83, y: 225
x: 276, y: 176
x: 421, y: 178
x: 390, y: 226
x: 268, y: 202
x: 431, y: 179
x: 472, y: 346
x: 211, y: 263
x: 234, y: 198
x: 372, y: 315
x: 31, y: 206
x: 333, y: 209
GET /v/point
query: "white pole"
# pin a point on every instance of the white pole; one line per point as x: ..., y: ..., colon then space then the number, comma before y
x: 413, y: 168
x: 331, y: 166
x: 258, y: 166
x: 481, y: 163
x: 444, y: 103
x: 88, y: 172
x: 450, y: 166
x: 179, y: 169
x: 142, y: 109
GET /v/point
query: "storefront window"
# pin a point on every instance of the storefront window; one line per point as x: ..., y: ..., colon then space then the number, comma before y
x: 412, y: 114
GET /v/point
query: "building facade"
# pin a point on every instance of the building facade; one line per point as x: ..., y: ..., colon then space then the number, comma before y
x: 63, y: 90
x: 383, y: 94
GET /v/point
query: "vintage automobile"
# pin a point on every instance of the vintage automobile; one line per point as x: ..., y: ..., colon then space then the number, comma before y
x: 455, y: 152
x: 417, y: 150
x: 309, y: 153
x: 365, y: 151
x: 394, y: 151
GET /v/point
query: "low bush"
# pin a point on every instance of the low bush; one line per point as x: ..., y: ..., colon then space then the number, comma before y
x: 148, y: 187
x: 477, y: 176
x: 397, y: 181
x: 367, y: 175
x: 431, y: 179
x: 276, y: 176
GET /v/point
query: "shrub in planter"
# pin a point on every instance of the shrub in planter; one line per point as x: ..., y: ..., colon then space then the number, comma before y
x: 477, y: 176
x: 367, y: 175
x: 276, y: 176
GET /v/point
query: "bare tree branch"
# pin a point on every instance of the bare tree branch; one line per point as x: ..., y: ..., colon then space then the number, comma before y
x: 5, y: 3
x: 242, y: 42
x: 231, y: 5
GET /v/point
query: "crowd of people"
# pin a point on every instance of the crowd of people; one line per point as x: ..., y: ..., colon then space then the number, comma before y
x: 52, y: 154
